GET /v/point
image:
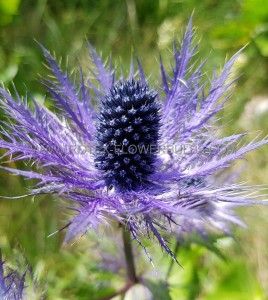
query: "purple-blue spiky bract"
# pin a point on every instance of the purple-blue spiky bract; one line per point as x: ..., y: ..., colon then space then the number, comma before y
x: 146, y: 156
x: 11, y: 284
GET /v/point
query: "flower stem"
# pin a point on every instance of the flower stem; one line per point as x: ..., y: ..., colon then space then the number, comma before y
x: 131, y: 272
x: 118, y: 293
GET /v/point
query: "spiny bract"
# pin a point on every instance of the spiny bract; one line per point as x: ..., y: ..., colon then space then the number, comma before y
x: 12, y: 284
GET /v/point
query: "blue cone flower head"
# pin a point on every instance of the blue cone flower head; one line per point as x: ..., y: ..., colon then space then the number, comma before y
x: 12, y: 284
x: 147, y: 156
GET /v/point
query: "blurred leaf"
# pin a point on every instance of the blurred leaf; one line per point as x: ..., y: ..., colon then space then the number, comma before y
x: 255, y: 11
x: 261, y: 40
x: 9, y: 7
x: 159, y: 289
x: 210, y: 243
x: 237, y: 283
x: 9, y: 73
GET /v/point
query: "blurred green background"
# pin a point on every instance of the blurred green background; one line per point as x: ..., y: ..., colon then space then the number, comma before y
x: 119, y: 27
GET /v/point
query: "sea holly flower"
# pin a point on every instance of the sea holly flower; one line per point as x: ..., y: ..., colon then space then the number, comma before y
x: 145, y: 155
x: 12, y: 284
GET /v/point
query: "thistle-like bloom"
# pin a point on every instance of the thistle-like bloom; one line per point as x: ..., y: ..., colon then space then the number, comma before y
x: 11, y: 285
x: 148, y: 157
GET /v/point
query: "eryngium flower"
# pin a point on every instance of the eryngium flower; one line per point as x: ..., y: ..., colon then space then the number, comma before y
x: 11, y: 285
x: 147, y: 157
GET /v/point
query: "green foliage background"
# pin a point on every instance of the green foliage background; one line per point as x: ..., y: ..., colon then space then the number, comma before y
x: 238, y: 270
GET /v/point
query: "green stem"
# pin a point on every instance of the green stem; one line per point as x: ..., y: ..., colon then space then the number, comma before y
x: 175, y: 251
x: 131, y: 272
